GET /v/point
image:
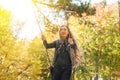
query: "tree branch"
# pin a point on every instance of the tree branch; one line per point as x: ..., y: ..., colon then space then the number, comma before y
x: 24, y: 69
x: 49, y: 5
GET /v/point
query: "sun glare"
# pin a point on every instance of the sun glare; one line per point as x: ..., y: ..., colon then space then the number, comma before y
x: 22, y: 11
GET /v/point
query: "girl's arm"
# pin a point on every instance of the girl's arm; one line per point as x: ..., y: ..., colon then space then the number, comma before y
x: 48, y: 45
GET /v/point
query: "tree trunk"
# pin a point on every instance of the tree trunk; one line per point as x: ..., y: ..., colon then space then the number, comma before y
x: 119, y: 12
x: 90, y: 77
x: 96, y: 76
x: 96, y: 64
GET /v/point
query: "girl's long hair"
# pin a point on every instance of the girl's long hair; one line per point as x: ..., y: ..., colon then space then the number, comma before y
x: 77, y: 51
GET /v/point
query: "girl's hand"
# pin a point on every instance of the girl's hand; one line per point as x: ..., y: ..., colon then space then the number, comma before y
x: 70, y: 41
x: 43, y: 37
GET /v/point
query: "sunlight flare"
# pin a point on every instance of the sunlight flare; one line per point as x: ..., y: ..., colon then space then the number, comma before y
x: 22, y: 11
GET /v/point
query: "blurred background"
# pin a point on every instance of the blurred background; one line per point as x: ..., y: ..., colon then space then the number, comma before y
x: 94, y: 23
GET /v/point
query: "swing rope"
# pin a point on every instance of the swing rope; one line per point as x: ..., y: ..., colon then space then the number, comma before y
x: 48, y: 58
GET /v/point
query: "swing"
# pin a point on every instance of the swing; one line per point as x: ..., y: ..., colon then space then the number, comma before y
x: 48, y: 58
x: 46, y: 51
x: 40, y: 32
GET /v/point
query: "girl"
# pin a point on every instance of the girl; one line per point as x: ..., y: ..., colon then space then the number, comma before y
x: 66, y: 54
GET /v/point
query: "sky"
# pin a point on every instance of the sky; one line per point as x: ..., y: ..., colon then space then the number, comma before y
x: 22, y: 10
x: 96, y: 1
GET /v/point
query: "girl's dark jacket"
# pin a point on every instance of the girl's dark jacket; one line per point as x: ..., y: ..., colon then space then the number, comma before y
x: 74, y: 56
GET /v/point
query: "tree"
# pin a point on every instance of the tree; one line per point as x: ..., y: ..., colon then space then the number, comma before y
x: 7, y: 42
x: 99, y: 36
x: 12, y: 52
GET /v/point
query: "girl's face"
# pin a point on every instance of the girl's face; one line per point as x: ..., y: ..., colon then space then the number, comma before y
x: 63, y: 32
